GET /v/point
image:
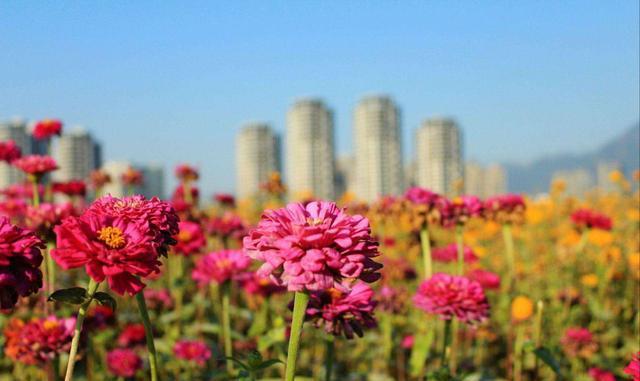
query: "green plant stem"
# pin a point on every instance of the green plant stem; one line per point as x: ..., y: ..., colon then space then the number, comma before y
x: 426, y: 252
x: 148, y: 330
x: 36, y: 193
x: 460, y: 246
x: 226, y: 325
x: 507, y: 235
x: 91, y: 289
x: 300, y: 302
x: 537, y: 334
x: 517, y: 354
x: 445, y: 343
x: 329, y: 357
x: 51, y: 268
x: 455, y: 345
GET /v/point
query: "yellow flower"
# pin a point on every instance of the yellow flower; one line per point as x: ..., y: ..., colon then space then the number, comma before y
x: 634, y: 264
x: 589, y: 280
x: 600, y: 237
x: 616, y: 176
x: 521, y: 308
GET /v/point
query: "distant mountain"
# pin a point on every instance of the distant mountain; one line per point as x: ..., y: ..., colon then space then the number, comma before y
x: 536, y: 177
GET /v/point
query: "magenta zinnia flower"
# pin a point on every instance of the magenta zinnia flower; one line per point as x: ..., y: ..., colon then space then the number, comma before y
x: 633, y: 369
x: 598, y: 374
x: 487, y: 279
x: 343, y: 313
x: 504, y: 209
x: 20, y: 260
x: 38, y: 341
x: 313, y: 247
x: 71, y: 188
x: 578, y: 341
x: 229, y: 225
x: 452, y: 296
x: 220, y: 266
x: 190, y: 239
x: 123, y: 362
x: 132, y: 177
x: 459, y: 210
x: 185, y: 172
x: 192, y: 350
x: 9, y: 151
x: 589, y: 219
x: 35, y: 165
x: 449, y: 254
x: 254, y: 284
x: 132, y: 335
x: 225, y: 199
x: 47, y: 128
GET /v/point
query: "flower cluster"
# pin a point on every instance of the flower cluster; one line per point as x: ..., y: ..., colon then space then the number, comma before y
x: 505, y: 209
x: 35, y: 165
x: 460, y: 209
x: 589, y: 219
x: 220, y: 266
x: 9, y: 151
x: 47, y: 128
x: 38, y: 341
x: 190, y: 239
x: 449, y: 254
x: 425, y: 205
x: 132, y: 335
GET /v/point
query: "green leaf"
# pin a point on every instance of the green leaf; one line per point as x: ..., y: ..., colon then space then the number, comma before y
x: 266, y: 364
x: 254, y: 358
x: 105, y: 300
x: 73, y: 295
x: 544, y: 354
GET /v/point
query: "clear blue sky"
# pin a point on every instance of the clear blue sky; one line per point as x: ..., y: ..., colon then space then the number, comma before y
x: 173, y: 81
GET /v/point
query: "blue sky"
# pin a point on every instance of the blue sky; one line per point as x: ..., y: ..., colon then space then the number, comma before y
x: 173, y: 81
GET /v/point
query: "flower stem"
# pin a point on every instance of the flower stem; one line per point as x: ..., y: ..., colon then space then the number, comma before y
x: 507, y: 235
x: 91, y: 289
x: 426, y: 252
x: 445, y: 343
x: 537, y: 335
x: 460, y: 245
x: 517, y: 355
x: 148, y: 330
x: 328, y: 359
x: 51, y: 268
x: 36, y: 192
x: 301, y: 300
x: 226, y: 325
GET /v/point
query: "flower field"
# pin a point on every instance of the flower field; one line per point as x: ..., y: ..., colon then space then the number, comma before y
x: 420, y: 286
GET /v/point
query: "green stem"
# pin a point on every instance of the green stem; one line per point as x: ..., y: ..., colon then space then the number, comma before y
x: 446, y: 343
x: 226, y: 325
x: 537, y: 335
x: 328, y: 359
x: 51, y: 268
x: 301, y: 300
x: 426, y: 252
x: 460, y: 244
x: 36, y: 193
x: 91, y: 289
x: 148, y: 330
x: 455, y: 345
x: 507, y: 235
x: 517, y: 354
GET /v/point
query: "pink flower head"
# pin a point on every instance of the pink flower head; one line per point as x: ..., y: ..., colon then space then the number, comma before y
x: 633, y: 369
x: 35, y: 165
x: 343, y: 312
x: 132, y: 177
x: 14, y: 209
x: 598, y: 374
x: 20, y: 260
x: 487, y: 279
x: 47, y: 128
x: 229, y: 225
x: 192, y: 350
x: 132, y: 335
x: 453, y: 296
x: 158, y: 299
x: 589, y: 219
x: 459, y: 210
x: 449, y: 254
x: 99, y: 317
x: 71, y: 188
x: 505, y: 209
x: 44, y: 217
x: 123, y: 362
x: 407, y: 342
x: 9, y: 151
x: 313, y: 247
x: 225, y: 199
x: 254, y: 284
x: 185, y: 172
x: 391, y: 299
x: 220, y: 266
x: 190, y: 238
x: 578, y: 341
x: 99, y: 178
x: 38, y: 341
x: 422, y: 196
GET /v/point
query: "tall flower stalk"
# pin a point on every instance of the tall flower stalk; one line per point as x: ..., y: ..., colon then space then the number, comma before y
x: 82, y: 312
x: 148, y: 332
x: 300, y: 302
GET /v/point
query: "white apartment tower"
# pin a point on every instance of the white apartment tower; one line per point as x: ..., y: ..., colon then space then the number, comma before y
x: 310, y: 159
x: 257, y: 156
x: 77, y: 155
x: 17, y: 131
x: 439, y: 162
x: 377, y: 149
x: 484, y: 181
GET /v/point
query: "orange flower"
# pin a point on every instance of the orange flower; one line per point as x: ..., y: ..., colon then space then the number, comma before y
x: 521, y: 308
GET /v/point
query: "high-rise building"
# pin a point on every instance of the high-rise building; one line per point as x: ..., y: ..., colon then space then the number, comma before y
x: 344, y: 175
x: 377, y: 149
x: 484, y: 181
x: 15, y: 130
x: 257, y: 156
x: 439, y: 156
x: 577, y: 181
x: 310, y: 161
x: 77, y: 155
x: 153, y: 180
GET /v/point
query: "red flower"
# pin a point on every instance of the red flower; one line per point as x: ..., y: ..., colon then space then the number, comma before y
x: 132, y: 335
x: 123, y: 362
x: 508, y: 208
x: 192, y: 350
x: 20, y: 260
x: 99, y: 317
x: 99, y: 178
x: 158, y: 299
x: 586, y: 218
x: 71, y: 188
x: 35, y: 165
x: 43, y: 218
x: 633, y: 369
x: 449, y: 254
x: 9, y: 151
x: 38, y: 341
x: 487, y: 279
x: 598, y: 374
x: 190, y: 238
x: 225, y: 199
x: 132, y: 177
x: 452, y: 296
x: 46, y: 128
x: 229, y: 225
x: 459, y: 210
x: 185, y: 172
x: 220, y: 266
x: 578, y: 341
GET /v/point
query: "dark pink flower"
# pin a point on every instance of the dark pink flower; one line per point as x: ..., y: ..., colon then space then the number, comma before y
x: 9, y: 151
x: 391, y: 299
x: 45, y: 216
x: 71, y: 188
x: 229, y: 225
x: 220, y: 266
x: 38, y: 341
x: 158, y: 299
x: 20, y: 260
x: 99, y: 178
x: 459, y: 210
x: 192, y: 350
x: 449, y: 254
x: 132, y: 335
x: 343, y: 313
x: 505, y: 209
x: 254, y: 284
x: 487, y: 279
x: 589, y: 219
x: 225, y: 199
x: 47, y: 128
x: 313, y: 247
x: 123, y: 362
x: 185, y: 172
x: 578, y: 341
x: 190, y: 239
x: 422, y: 196
x: 633, y: 369
x: 407, y: 342
x: 132, y: 177
x: 99, y: 317
x: 598, y: 374
x: 452, y: 296
x: 35, y: 165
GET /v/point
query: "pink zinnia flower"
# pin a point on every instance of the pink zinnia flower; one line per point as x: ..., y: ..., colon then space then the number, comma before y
x: 20, y: 260
x: 505, y: 209
x: 132, y: 335
x: 35, y: 165
x: 407, y: 342
x: 43, y: 218
x: 487, y: 279
x: 313, y: 247
x: 633, y: 369
x: 192, y: 350
x: 185, y: 172
x: 391, y: 299
x: 123, y: 362
x: 190, y: 239
x: 47, y: 128
x: 99, y: 317
x: 254, y: 284
x: 71, y: 188
x: 449, y: 254
x: 38, y: 341
x: 9, y: 151
x: 459, y: 210
x: 589, y: 219
x: 598, y: 374
x: 99, y: 178
x: 220, y: 266
x: 578, y: 341
x: 132, y: 177
x: 225, y: 199
x: 452, y: 296
x: 158, y: 299
x: 343, y: 313
x: 229, y: 225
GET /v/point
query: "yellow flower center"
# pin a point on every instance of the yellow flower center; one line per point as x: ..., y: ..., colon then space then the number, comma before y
x: 50, y: 324
x: 112, y: 237
x: 184, y: 236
